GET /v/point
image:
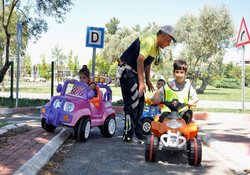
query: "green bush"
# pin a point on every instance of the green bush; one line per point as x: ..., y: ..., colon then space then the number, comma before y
x: 8, y: 103
x: 227, y: 83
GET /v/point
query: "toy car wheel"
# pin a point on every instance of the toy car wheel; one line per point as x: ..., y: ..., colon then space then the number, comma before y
x: 47, y: 127
x: 151, y: 148
x: 146, y: 126
x: 82, y: 129
x: 109, y: 127
x: 194, y: 151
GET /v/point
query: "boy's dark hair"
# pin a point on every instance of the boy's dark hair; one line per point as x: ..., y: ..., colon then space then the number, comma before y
x: 162, y: 81
x: 180, y: 65
x: 85, y: 71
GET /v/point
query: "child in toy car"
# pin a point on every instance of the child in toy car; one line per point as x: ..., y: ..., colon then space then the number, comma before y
x: 181, y: 89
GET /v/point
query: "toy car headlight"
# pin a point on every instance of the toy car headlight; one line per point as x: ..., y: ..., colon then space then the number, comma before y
x: 68, y: 106
x: 174, y: 124
x: 146, y: 108
x: 57, y: 104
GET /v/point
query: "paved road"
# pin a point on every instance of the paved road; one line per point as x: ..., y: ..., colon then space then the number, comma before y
x: 109, y: 156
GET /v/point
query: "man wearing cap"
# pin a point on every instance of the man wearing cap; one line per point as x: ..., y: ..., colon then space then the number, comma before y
x: 133, y: 64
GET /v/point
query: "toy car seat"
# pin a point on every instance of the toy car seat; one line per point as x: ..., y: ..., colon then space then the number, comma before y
x: 96, y: 100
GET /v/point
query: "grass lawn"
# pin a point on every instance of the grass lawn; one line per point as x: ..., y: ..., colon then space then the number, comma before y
x: 211, y: 93
x: 222, y: 94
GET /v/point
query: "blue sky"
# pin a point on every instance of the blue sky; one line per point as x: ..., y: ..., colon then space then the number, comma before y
x: 71, y: 35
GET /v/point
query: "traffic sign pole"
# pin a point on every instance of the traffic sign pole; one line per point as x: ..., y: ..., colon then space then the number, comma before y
x: 93, y: 62
x: 19, y: 45
x: 243, y: 78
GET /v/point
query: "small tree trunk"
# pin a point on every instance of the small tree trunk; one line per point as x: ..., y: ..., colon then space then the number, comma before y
x: 203, y: 86
x: 3, y: 86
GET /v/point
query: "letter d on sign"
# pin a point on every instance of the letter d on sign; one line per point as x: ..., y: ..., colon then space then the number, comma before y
x: 94, y: 37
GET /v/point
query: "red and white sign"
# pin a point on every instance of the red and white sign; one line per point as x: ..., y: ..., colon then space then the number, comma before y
x: 243, y: 35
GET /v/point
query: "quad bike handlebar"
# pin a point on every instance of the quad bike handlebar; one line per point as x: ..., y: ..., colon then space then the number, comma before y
x: 174, y: 105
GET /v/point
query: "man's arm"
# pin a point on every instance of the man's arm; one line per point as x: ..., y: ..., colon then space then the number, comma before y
x: 140, y: 71
x: 147, y: 77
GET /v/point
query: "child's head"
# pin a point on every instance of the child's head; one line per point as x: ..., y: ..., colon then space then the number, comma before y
x: 84, y: 74
x: 180, y: 70
x: 160, y: 83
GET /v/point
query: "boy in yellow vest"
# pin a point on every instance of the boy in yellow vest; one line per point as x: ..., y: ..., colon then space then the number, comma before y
x: 181, y: 89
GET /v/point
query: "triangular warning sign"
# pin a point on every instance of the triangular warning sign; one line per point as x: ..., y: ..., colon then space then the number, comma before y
x: 243, y: 35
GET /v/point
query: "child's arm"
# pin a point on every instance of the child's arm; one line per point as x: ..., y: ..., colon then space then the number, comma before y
x: 92, y: 86
x: 193, y: 97
x: 193, y: 102
x: 156, y: 99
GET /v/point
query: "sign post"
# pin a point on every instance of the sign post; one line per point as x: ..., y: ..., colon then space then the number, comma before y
x: 19, y: 45
x: 95, y: 39
x: 242, y: 39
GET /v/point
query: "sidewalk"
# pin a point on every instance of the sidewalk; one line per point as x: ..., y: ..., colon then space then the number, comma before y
x: 227, y: 134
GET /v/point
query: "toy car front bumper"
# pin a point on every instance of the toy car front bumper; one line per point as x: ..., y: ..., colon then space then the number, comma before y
x: 173, y: 140
x: 56, y: 117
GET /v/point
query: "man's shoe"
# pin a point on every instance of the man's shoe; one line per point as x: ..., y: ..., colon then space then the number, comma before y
x: 139, y: 134
x: 127, y: 138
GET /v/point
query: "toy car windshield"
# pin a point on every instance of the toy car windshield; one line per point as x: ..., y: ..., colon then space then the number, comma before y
x: 75, y: 89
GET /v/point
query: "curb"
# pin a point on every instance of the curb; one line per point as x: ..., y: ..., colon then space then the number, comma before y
x: 6, y: 128
x: 226, y: 150
x: 9, y: 111
x: 34, y: 165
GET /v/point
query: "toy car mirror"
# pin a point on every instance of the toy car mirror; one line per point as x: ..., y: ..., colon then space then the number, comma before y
x: 59, y: 88
x: 91, y: 94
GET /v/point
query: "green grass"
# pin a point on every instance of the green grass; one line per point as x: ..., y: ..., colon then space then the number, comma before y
x: 222, y: 94
x: 211, y: 93
x: 3, y: 123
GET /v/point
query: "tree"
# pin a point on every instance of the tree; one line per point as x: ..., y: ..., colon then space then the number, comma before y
x: 247, y: 75
x: 204, y: 39
x: 75, y: 65
x: 27, y: 60
x: 137, y: 28
x: 70, y: 61
x: 60, y: 59
x: 44, y: 68
x: 112, y: 25
x: 33, y: 22
x: 101, y: 66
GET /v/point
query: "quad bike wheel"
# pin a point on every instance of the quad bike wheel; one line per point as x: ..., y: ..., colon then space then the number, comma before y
x: 82, y: 129
x: 109, y: 127
x: 194, y: 151
x: 151, y: 148
x: 146, y: 126
x: 47, y: 127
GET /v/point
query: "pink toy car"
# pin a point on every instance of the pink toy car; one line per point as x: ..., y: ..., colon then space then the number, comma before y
x: 73, y: 108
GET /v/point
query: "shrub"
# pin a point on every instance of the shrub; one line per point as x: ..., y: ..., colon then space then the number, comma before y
x: 227, y: 83
x: 7, y: 102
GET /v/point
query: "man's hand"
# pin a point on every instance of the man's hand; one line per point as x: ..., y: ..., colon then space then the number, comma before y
x: 141, y: 89
x: 150, y: 86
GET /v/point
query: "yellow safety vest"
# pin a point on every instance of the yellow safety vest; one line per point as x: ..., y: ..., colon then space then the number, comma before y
x: 181, y: 95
